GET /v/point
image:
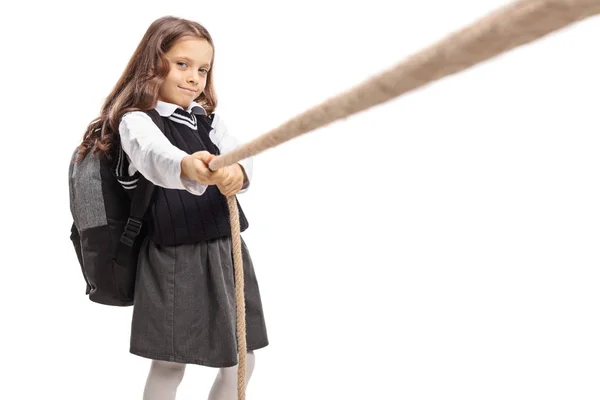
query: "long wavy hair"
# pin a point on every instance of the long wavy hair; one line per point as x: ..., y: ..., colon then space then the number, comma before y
x: 138, y: 86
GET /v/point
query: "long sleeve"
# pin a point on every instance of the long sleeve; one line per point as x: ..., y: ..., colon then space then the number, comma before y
x: 151, y: 153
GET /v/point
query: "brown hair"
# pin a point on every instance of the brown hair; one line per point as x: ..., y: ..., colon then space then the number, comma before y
x: 138, y: 86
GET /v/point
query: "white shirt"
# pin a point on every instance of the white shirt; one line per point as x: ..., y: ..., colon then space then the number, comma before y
x: 150, y: 152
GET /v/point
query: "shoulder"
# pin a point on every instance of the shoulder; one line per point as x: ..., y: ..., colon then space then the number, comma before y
x: 135, y: 116
x: 134, y: 120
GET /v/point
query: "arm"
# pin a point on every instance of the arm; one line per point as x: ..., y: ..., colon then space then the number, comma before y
x: 151, y: 153
x: 226, y: 142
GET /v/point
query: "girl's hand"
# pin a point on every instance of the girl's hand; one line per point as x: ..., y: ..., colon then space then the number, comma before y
x: 233, y: 180
x: 195, y: 167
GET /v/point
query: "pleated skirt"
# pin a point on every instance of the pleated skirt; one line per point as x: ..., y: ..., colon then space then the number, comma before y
x: 184, y: 306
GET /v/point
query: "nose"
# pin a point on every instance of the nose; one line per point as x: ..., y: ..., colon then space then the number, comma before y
x: 194, y: 77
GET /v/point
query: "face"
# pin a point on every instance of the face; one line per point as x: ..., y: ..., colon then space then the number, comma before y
x: 189, y: 60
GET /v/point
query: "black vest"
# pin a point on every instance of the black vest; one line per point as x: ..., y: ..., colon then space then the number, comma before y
x: 179, y: 217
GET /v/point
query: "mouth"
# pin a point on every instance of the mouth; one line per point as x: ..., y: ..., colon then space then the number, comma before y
x: 186, y: 90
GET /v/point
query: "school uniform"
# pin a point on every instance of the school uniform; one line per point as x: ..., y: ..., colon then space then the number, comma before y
x: 184, y: 306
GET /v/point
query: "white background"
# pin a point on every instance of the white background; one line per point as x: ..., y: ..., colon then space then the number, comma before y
x: 443, y: 245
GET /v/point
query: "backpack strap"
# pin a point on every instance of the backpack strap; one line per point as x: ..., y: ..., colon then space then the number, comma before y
x: 142, y: 196
x: 156, y: 118
x: 140, y: 201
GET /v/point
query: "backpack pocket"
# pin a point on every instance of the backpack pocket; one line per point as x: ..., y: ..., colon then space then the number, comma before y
x: 76, y: 240
x: 110, y: 283
x: 125, y: 263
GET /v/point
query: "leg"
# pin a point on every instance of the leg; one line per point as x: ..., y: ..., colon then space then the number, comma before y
x: 225, y: 385
x: 163, y: 379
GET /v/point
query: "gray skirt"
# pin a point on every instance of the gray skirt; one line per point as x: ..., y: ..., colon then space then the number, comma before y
x: 184, y: 306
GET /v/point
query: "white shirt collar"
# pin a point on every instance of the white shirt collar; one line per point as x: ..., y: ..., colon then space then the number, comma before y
x: 166, y: 109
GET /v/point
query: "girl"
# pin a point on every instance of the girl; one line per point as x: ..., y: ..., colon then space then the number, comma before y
x: 184, y: 307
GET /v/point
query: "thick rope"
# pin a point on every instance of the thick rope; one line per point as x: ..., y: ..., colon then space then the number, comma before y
x: 514, y: 25
x: 511, y: 26
x: 236, y: 244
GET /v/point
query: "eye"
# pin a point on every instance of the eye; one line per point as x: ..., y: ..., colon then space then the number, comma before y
x: 180, y: 64
x: 203, y: 70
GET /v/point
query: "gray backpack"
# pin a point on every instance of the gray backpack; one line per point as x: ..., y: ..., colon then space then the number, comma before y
x: 108, y: 227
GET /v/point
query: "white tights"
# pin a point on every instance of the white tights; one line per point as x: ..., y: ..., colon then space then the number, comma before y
x: 164, y: 378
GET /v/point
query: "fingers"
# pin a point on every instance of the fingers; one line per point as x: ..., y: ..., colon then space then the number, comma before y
x: 204, y: 173
x: 231, y: 185
x: 203, y: 156
x: 228, y: 179
x: 229, y: 192
x: 220, y: 175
